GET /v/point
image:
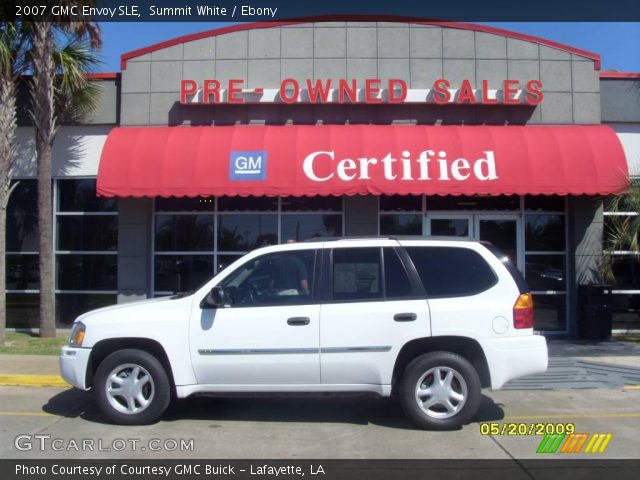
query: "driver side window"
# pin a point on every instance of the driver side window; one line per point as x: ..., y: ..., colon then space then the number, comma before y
x: 283, y: 278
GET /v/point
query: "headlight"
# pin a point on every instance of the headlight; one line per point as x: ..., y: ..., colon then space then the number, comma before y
x: 77, y: 334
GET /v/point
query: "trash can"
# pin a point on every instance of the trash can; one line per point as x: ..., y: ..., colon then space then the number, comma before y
x: 595, y: 311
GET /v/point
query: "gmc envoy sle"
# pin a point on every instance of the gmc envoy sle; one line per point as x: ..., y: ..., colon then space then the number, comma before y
x: 431, y: 321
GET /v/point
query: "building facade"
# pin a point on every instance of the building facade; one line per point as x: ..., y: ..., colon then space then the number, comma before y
x: 155, y: 230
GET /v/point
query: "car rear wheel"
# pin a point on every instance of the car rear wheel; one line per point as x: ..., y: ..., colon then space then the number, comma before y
x: 131, y: 387
x: 440, y: 391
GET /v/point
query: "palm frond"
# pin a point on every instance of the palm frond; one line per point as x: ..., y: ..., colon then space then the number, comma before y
x: 76, y: 96
x: 12, y: 49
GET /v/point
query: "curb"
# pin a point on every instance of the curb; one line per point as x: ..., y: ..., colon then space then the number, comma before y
x: 32, y: 381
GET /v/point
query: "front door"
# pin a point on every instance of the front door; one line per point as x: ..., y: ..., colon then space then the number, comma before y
x: 268, y: 333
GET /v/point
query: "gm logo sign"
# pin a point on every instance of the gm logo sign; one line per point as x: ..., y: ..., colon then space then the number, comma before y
x: 248, y: 165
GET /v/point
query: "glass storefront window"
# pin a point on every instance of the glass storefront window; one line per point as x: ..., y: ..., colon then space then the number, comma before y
x: 626, y: 311
x: 22, y: 272
x: 450, y: 227
x: 401, y: 224
x: 549, y: 203
x: 79, y: 195
x: 242, y: 233
x: 83, y: 223
x: 546, y: 272
x: 23, y: 310
x: 624, y: 263
x: 304, y: 227
x: 626, y: 272
x: 231, y: 227
x: 544, y: 233
x: 22, y: 218
x: 71, y: 305
x: 87, y: 272
x: 87, y: 233
x: 184, y: 233
x: 179, y: 273
x: 400, y: 203
x: 86, y: 245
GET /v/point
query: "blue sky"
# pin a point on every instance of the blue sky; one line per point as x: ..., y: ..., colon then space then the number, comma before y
x: 617, y: 43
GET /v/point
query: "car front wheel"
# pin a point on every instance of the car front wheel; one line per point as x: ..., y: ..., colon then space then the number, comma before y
x: 440, y: 391
x: 132, y: 387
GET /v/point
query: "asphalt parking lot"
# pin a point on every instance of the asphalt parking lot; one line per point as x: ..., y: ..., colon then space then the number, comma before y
x: 63, y: 422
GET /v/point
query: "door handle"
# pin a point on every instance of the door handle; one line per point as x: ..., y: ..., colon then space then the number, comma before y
x: 405, y: 317
x: 297, y: 321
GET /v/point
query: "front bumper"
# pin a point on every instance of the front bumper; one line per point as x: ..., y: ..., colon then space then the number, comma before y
x: 73, y: 365
x: 515, y: 357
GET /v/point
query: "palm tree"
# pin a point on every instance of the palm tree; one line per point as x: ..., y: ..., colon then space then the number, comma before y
x: 45, y: 120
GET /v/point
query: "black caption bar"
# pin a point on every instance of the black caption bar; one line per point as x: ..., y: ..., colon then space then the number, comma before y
x: 320, y: 469
x: 282, y: 10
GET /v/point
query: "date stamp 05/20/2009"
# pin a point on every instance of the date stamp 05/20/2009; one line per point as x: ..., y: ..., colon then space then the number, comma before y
x: 558, y: 437
x: 524, y: 428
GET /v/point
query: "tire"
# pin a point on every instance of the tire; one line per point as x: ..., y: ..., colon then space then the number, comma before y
x: 141, y: 402
x: 451, y: 406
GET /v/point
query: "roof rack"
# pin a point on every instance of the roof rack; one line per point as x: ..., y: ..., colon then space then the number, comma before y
x: 387, y: 237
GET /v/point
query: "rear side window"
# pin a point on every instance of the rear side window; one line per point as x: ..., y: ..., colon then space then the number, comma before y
x: 523, y: 287
x: 451, y: 271
x: 357, y: 274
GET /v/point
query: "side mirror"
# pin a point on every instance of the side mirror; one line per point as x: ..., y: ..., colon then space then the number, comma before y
x: 214, y: 299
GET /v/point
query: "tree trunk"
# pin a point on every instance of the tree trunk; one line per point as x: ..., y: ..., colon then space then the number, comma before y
x: 8, y: 126
x: 42, y: 111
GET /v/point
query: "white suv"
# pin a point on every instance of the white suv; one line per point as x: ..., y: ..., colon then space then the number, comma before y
x: 432, y: 321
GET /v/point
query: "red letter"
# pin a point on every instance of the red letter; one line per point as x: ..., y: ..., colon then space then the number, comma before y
x: 233, y: 90
x: 510, y: 88
x: 485, y: 93
x: 441, y: 93
x: 284, y: 96
x: 187, y: 87
x: 211, y: 87
x: 403, y: 90
x: 534, y: 95
x: 465, y: 94
x: 371, y: 90
x: 319, y: 90
x: 344, y: 91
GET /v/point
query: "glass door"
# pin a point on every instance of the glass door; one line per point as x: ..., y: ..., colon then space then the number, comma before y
x: 503, y: 231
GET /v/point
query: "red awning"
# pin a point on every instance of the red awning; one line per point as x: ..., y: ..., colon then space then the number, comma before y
x: 361, y: 159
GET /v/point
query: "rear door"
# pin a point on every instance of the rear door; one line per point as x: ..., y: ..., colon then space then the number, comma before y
x: 372, y: 307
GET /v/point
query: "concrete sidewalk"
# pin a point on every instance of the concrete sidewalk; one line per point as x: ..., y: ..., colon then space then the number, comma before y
x: 566, y: 355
